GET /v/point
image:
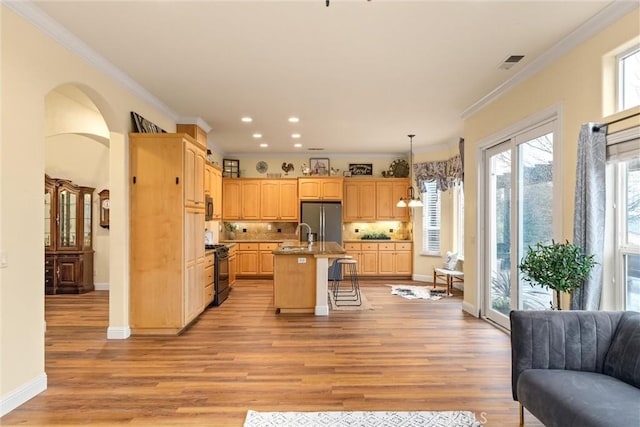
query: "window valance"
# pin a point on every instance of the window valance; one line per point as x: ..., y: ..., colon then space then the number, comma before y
x: 446, y: 173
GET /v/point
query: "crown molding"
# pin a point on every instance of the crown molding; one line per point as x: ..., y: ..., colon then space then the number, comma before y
x: 607, y: 16
x: 33, y: 14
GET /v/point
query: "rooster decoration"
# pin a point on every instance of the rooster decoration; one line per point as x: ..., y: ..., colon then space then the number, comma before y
x: 287, y: 167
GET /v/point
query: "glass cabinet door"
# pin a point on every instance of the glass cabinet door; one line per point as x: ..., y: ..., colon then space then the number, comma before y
x: 68, y: 208
x: 48, y: 213
x: 87, y: 220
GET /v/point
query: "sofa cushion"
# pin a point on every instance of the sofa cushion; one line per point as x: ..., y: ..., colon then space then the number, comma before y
x: 578, y: 399
x: 623, y: 359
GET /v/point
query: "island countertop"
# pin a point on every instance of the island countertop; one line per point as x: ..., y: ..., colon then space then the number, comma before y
x: 317, y: 249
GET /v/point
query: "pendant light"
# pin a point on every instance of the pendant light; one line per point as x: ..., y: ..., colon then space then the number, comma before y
x: 410, y: 201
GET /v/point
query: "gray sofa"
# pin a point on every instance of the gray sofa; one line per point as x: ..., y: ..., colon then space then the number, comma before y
x: 577, y: 368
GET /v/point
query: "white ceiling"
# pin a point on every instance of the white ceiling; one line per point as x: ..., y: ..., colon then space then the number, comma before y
x: 360, y: 75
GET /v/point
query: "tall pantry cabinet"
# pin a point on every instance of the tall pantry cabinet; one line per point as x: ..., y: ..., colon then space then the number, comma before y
x: 167, y: 232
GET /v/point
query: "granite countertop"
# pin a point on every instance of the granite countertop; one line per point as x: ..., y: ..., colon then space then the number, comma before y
x: 318, y: 249
x: 227, y: 242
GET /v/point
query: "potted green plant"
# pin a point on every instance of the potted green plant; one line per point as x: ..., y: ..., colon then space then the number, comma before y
x: 559, y: 266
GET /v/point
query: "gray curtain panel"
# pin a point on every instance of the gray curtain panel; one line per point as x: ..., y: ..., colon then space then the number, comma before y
x: 588, y: 220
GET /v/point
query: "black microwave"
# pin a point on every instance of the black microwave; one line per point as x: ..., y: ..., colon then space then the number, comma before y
x: 208, y: 206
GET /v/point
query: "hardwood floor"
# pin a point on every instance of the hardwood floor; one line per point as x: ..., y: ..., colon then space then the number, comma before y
x: 402, y: 355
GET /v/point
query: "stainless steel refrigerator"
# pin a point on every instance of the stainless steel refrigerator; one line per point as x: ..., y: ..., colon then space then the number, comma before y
x: 324, y: 219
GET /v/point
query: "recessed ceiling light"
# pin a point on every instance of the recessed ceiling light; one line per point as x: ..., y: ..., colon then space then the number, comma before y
x: 263, y: 145
x: 298, y: 145
x: 295, y: 135
x: 293, y: 119
x: 246, y: 119
x: 257, y: 135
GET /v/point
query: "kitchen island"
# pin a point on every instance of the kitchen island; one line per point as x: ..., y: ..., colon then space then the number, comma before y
x: 300, y: 277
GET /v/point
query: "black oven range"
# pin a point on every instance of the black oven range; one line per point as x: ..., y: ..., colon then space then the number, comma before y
x: 221, y: 273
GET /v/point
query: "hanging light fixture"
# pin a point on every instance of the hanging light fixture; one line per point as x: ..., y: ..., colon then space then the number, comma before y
x: 410, y: 201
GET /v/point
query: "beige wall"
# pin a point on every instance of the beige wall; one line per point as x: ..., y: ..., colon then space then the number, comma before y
x: 33, y: 65
x: 248, y: 163
x: 574, y: 83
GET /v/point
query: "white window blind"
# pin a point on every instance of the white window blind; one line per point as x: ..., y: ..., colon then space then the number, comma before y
x: 431, y: 220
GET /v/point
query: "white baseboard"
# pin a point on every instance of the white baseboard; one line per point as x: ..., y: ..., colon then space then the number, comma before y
x: 422, y: 278
x: 118, y: 333
x: 470, y: 308
x: 22, y: 394
x: 101, y: 286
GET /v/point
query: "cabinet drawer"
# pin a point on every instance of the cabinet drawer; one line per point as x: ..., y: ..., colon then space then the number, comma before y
x: 208, y: 275
x: 248, y: 246
x: 403, y: 246
x: 268, y: 246
x: 369, y: 246
x: 208, y: 261
x: 353, y: 246
x: 386, y: 246
x: 208, y: 294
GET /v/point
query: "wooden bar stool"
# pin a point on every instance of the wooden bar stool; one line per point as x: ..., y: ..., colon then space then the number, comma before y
x: 349, y: 293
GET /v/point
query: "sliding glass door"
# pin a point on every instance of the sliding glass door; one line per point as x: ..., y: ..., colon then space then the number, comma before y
x: 519, y: 212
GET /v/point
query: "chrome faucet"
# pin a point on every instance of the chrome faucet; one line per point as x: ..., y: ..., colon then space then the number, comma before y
x: 309, y: 235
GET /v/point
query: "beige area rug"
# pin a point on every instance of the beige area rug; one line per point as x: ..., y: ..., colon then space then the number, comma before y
x: 362, y: 419
x: 348, y: 305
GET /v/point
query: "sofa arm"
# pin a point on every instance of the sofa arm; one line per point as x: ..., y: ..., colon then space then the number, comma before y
x: 571, y: 340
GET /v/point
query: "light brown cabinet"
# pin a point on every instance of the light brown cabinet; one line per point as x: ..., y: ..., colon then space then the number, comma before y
x: 240, y: 199
x: 382, y: 259
x: 388, y: 193
x: 68, y: 239
x: 255, y: 259
x: 247, y: 259
x: 233, y: 264
x: 231, y: 199
x: 374, y: 199
x: 394, y: 259
x: 294, y: 284
x: 167, y: 259
x: 215, y: 189
x: 279, y: 200
x: 251, y: 199
x: 359, y: 200
x: 265, y: 251
x: 194, y: 160
x: 328, y: 188
x: 367, y: 256
x: 208, y: 278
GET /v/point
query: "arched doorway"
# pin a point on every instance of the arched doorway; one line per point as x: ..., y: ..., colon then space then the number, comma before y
x: 82, y: 143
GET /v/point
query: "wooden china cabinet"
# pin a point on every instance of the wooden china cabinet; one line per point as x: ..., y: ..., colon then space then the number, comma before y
x: 68, y: 240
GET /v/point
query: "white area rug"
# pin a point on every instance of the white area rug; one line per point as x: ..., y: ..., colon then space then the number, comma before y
x: 413, y: 292
x: 362, y: 419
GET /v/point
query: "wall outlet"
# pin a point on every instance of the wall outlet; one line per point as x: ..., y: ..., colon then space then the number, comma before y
x: 269, y: 227
x: 356, y: 230
x: 279, y: 230
x: 244, y: 230
x: 4, y: 260
x: 302, y: 260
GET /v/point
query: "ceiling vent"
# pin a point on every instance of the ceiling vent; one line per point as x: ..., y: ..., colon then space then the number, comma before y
x: 315, y: 149
x: 510, y: 62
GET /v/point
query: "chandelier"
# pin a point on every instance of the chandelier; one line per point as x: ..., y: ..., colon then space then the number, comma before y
x: 410, y: 201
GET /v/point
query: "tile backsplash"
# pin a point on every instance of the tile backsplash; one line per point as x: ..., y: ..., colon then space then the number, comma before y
x: 396, y: 230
